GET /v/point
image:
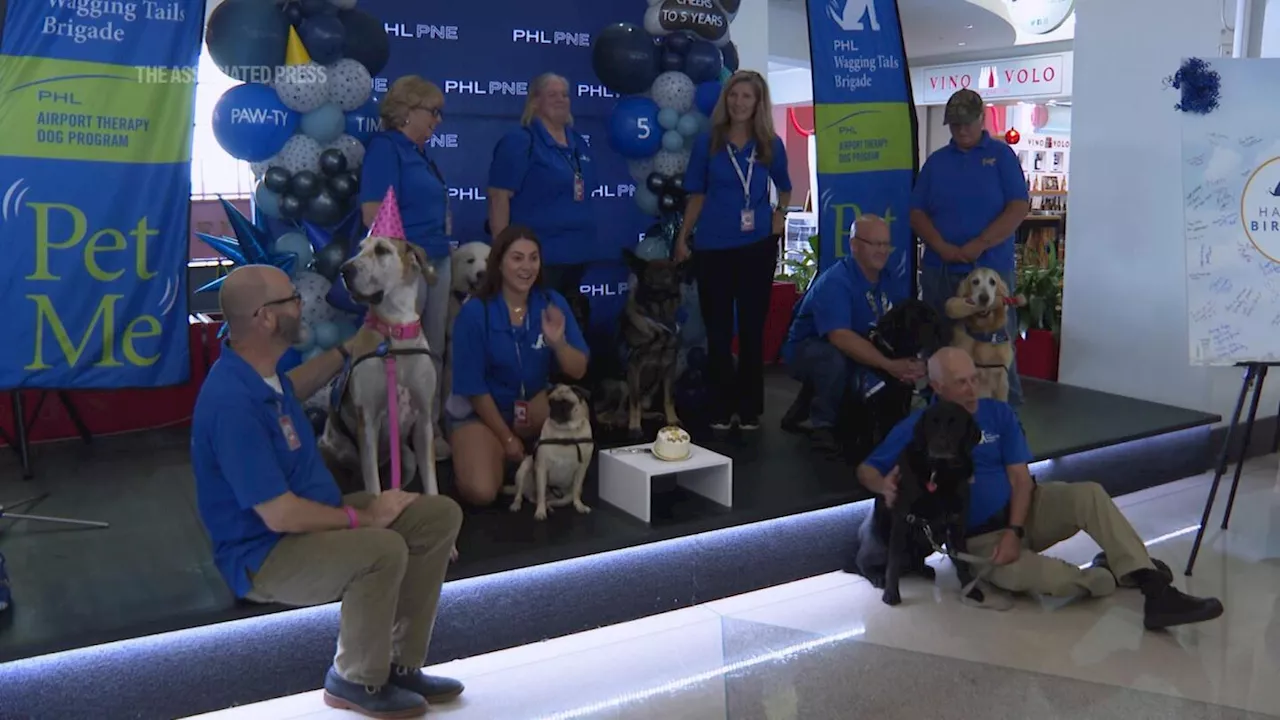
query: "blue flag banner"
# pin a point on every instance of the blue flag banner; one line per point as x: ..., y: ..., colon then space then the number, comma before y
x: 96, y: 102
x: 865, y: 123
x: 484, y: 57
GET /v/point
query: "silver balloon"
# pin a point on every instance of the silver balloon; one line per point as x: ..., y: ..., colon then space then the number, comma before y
x: 640, y: 169
x: 674, y: 90
x: 315, y: 309
x: 304, y: 87
x: 298, y: 154
x: 349, y: 84
x: 671, y: 163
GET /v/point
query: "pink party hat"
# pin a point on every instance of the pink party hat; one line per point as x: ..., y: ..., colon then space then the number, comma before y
x: 388, y: 223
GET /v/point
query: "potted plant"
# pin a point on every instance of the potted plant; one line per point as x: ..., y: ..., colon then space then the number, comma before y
x: 1040, y: 319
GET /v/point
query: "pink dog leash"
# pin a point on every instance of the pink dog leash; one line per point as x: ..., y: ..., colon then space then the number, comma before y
x: 396, y: 332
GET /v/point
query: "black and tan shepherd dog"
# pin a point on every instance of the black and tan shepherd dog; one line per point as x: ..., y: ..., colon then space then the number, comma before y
x: 934, y: 472
x: 652, y: 336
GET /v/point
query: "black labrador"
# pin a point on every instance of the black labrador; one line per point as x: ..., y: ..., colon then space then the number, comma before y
x: 934, y: 472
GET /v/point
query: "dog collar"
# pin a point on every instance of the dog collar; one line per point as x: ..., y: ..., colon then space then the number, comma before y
x: 461, y: 297
x: 407, y: 331
x: 998, y: 337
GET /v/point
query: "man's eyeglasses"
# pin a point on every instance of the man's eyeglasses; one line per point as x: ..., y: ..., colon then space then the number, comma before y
x: 874, y: 245
x: 294, y: 298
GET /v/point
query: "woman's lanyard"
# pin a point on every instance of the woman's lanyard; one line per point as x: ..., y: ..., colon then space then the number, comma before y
x: 744, y: 179
x: 574, y: 158
x: 519, y: 355
x: 444, y: 187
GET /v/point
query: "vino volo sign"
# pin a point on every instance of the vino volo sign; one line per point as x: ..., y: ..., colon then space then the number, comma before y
x: 1026, y: 77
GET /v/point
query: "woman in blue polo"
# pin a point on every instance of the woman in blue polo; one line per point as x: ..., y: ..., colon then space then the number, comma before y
x: 506, y: 342
x: 542, y: 176
x: 736, y: 233
x: 397, y: 158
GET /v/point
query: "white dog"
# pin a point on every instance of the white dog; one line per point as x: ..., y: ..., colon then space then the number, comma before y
x: 466, y: 271
x: 384, y: 275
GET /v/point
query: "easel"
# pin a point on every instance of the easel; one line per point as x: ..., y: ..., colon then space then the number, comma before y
x: 1255, y: 376
x: 20, y: 440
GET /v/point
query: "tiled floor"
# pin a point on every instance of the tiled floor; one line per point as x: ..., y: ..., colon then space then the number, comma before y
x: 826, y: 647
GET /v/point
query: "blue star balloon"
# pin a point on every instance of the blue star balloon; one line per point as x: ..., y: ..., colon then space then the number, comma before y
x: 251, y: 246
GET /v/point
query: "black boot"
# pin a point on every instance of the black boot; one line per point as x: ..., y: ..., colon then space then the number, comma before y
x: 823, y: 440
x: 799, y: 410
x: 1167, y: 606
x: 1131, y: 580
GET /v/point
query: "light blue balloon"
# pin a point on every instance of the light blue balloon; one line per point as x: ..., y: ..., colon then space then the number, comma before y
x: 266, y: 201
x: 306, y: 338
x: 327, y: 335
x: 668, y: 117
x: 324, y: 124
x: 646, y: 200
x: 672, y: 141
x: 297, y: 244
x: 689, y: 124
x: 346, y: 330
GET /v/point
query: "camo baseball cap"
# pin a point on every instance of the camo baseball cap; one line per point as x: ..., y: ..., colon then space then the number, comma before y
x: 964, y: 107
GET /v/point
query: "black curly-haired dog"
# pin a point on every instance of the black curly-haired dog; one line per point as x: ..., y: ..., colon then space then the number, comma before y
x: 934, y: 472
x: 911, y: 329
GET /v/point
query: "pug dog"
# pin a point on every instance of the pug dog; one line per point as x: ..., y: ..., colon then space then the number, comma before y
x: 560, y: 457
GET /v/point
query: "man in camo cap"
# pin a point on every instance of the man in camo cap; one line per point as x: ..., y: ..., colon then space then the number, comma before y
x: 968, y: 202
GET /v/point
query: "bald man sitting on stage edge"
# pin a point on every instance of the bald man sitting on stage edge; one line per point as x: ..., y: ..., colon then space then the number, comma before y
x: 281, y: 529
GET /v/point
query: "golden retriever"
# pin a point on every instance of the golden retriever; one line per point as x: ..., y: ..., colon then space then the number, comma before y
x: 981, y: 307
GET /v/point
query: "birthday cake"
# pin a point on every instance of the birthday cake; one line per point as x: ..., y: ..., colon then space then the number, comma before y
x: 672, y: 444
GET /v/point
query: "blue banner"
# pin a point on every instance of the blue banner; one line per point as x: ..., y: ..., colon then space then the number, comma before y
x: 96, y: 102
x: 865, y: 123
x: 484, y: 56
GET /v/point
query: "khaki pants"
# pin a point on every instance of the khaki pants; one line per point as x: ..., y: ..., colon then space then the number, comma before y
x: 389, y: 581
x: 1058, y: 512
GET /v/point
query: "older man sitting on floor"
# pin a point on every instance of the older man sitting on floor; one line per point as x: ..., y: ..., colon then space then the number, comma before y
x: 1012, y: 519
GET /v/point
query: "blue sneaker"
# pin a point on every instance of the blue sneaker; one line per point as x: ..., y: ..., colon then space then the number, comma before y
x: 387, y: 701
x: 434, y: 688
x: 6, y: 598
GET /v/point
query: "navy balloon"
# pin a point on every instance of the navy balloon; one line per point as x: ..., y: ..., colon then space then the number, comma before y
x: 625, y: 58
x: 706, y: 97
x: 678, y: 42
x: 366, y: 40
x: 323, y: 36
x: 633, y: 128
x: 364, y: 121
x: 672, y: 61
x: 293, y: 13
x: 703, y: 62
x: 730, y: 54
x: 317, y: 7
x: 251, y: 123
x: 247, y: 34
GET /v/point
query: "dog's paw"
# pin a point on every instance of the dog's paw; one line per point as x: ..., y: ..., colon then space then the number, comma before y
x: 515, y: 506
x: 540, y: 513
x: 581, y: 507
x: 876, y: 579
x: 977, y: 595
x: 891, y: 597
x: 927, y: 572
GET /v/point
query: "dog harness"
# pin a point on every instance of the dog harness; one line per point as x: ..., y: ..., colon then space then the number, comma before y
x: 920, y: 524
x: 388, y: 355
x: 577, y: 443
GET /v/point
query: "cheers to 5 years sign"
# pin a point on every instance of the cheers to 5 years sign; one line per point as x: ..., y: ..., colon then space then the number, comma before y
x: 96, y: 102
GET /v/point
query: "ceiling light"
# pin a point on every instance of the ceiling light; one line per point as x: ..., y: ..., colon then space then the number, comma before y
x: 961, y: 44
x: 968, y: 27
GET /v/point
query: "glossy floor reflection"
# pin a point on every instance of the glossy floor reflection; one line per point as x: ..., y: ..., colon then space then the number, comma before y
x: 826, y: 647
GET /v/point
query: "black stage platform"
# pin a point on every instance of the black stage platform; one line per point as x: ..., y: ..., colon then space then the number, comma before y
x: 151, y: 572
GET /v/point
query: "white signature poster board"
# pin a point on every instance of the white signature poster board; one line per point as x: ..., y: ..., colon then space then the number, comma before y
x: 1231, y: 194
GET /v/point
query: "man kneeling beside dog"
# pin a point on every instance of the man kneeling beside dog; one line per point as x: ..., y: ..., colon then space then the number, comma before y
x: 281, y: 529
x: 1012, y: 519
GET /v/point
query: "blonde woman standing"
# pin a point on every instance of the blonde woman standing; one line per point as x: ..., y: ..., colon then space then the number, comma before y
x: 736, y: 231
x: 542, y: 177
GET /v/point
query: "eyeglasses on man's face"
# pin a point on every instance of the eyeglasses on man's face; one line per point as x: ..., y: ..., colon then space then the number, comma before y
x: 295, y: 298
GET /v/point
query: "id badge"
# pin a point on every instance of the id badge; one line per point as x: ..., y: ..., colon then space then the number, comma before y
x: 748, y: 220
x: 290, y: 434
x: 522, y: 414
x: 579, y: 189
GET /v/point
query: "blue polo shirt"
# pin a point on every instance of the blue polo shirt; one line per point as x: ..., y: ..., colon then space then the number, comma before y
x: 840, y: 298
x: 711, y: 173
x: 391, y: 159
x: 241, y: 457
x: 1003, y: 444
x: 540, y: 172
x: 493, y: 357
x: 964, y: 191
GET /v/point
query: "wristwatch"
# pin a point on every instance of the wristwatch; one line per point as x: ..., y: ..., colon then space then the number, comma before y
x: 1018, y: 530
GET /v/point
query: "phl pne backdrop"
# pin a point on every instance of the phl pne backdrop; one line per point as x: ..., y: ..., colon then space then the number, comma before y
x: 484, y: 57
x: 94, y: 183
